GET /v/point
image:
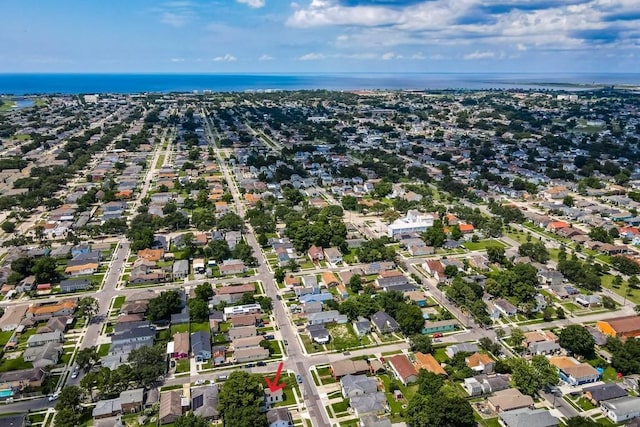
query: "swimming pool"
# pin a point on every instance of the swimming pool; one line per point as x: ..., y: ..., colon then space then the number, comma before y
x: 6, y: 393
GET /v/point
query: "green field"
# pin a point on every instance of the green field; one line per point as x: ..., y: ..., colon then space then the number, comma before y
x: 482, y: 244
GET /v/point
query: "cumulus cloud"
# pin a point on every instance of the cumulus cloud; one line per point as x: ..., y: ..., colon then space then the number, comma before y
x: 252, y: 3
x: 540, y: 24
x: 418, y: 56
x: 177, y: 59
x: 266, y: 57
x: 226, y: 58
x: 480, y: 55
x: 313, y: 56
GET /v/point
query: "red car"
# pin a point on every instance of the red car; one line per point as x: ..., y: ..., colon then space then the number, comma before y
x: 437, y: 335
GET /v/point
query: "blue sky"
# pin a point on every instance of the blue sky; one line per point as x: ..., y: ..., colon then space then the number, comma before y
x: 283, y: 36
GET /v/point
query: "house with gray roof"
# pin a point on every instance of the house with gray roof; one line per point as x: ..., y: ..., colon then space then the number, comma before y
x: 384, y: 323
x: 180, y: 269
x: 201, y: 345
x: 357, y: 385
x: 73, y: 285
x: 45, y: 338
x: 464, y: 347
x: 325, y: 317
x: 526, y: 417
x: 362, y: 326
x: 599, y: 393
x: 368, y: 404
x: 204, y: 402
x: 621, y: 409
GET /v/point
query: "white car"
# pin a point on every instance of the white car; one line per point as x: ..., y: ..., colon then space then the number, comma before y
x: 53, y: 396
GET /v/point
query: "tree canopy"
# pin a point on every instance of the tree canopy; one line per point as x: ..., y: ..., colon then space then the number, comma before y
x: 577, y: 340
x: 239, y: 400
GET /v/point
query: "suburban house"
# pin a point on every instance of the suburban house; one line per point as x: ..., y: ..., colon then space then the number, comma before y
x: 37, y: 340
x: 12, y: 316
x: 621, y: 409
x: 622, y: 327
x: 501, y: 307
x: 250, y: 354
x: 232, y: 266
x: 201, y: 345
x: 180, y: 269
x: 484, y: 384
x: 608, y: 391
x: 131, y: 401
x: 204, y: 402
x: 340, y: 368
x: 333, y: 256
x: 362, y: 326
x: 509, y: 399
x: 368, y: 404
x: 180, y: 345
x: 231, y: 294
x: 318, y: 334
x: 279, y: 417
x: 42, y: 356
x: 242, y: 332
x: 440, y: 326
x: 273, y: 397
x: 73, y: 285
x: 324, y: 317
x: 384, y: 323
x: 573, y: 372
x: 82, y: 269
x: 40, y: 312
x: 22, y: 379
x: 528, y: 417
x: 316, y: 253
x: 428, y: 363
x: 480, y: 362
x: 403, y: 368
x: 464, y: 347
x: 357, y: 385
x: 170, y: 406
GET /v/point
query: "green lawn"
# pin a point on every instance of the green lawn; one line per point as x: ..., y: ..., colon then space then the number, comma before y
x: 274, y: 348
x: 440, y: 354
x: 14, y: 364
x: 118, y: 302
x: 4, y: 337
x: 182, y: 327
x: 196, y: 327
x: 340, y: 406
x: 325, y: 376
x: 288, y: 396
x: 103, y: 350
x: 183, y: 365
x: 482, y: 244
x: 343, y: 337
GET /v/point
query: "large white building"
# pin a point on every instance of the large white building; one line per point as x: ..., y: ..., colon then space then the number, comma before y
x: 413, y: 222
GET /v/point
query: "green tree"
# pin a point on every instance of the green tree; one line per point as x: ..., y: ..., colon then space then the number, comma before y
x: 191, y: 420
x: 148, y: 364
x: 350, y: 203
x: 70, y: 397
x: 66, y: 417
x: 429, y: 383
x: 567, y: 201
x: 355, y: 283
x: 576, y: 339
x: 517, y: 337
x: 279, y: 275
x: 600, y: 234
x: 239, y: 400
x: 582, y: 422
x: 219, y: 250
x: 529, y: 377
x: 198, y: 310
x: 451, y: 271
x: 164, y: 305
x: 410, y: 319
x: 87, y: 357
x: 204, y: 291
x: 8, y: 227
x: 45, y: 270
x: 495, y: 253
x: 87, y: 307
x: 439, y: 410
x: 382, y: 188
x: 537, y: 251
x: 421, y: 343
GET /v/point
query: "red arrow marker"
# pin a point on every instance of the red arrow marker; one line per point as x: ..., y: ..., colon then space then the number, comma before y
x: 274, y: 386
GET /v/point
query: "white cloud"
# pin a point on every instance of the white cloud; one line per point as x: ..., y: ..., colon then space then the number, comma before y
x: 177, y: 59
x: 418, y: 56
x: 388, y: 56
x: 480, y: 55
x: 226, y: 58
x: 313, y: 56
x: 174, y: 19
x: 252, y: 3
x: 266, y: 57
x: 437, y: 57
x: 521, y: 46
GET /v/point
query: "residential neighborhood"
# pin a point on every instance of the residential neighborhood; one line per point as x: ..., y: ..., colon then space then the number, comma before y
x: 383, y: 257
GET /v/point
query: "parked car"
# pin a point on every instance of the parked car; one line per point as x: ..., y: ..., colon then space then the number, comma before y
x: 261, y: 364
x: 299, y: 378
x: 437, y: 335
x: 249, y: 365
x: 222, y: 377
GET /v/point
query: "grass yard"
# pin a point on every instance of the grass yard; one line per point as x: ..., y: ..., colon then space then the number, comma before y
x: 103, y: 349
x: 16, y: 364
x: 183, y: 365
x: 482, y: 244
x: 440, y: 354
x: 343, y: 337
x: 4, y: 337
x: 340, y: 406
x: 288, y: 396
x: 325, y: 376
x: 197, y: 327
x: 182, y: 327
x: 118, y: 302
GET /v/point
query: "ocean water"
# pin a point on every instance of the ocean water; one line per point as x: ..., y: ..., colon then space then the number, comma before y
x: 26, y: 84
